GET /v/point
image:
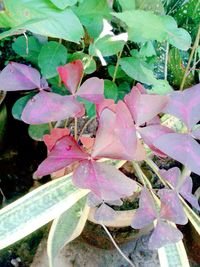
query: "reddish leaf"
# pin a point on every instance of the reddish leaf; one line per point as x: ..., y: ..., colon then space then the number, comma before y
x: 104, y: 213
x: 47, y: 106
x: 103, y: 180
x: 92, y: 90
x: 16, y: 76
x: 171, y: 207
x: 181, y: 147
x: 164, y: 234
x: 116, y: 135
x: 185, y: 105
x: 54, y: 136
x: 144, y: 107
x: 146, y: 213
x: 150, y: 133
x: 71, y: 74
x: 87, y: 142
x: 64, y: 152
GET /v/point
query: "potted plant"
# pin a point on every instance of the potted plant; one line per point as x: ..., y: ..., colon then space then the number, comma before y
x: 131, y: 126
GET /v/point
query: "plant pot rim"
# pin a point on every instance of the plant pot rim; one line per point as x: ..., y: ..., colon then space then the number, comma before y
x: 123, y: 218
x: 2, y: 96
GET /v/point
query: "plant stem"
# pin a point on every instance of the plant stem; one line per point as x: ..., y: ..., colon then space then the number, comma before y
x: 166, y: 60
x: 115, y: 244
x: 117, y: 65
x: 195, y: 46
x: 75, y: 128
x: 50, y: 126
x: 141, y: 175
x: 86, y: 124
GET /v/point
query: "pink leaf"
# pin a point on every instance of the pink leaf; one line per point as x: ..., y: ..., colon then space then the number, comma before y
x: 186, y: 191
x: 104, y: 213
x: 103, y: 180
x: 164, y: 234
x: 181, y: 147
x: 71, y: 74
x: 146, y: 213
x: 185, y: 105
x: 171, y: 207
x: 92, y: 90
x: 140, y: 153
x: 16, y: 76
x: 150, y: 133
x: 144, y: 107
x: 116, y: 135
x: 54, y: 136
x: 47, y: 106
x: 64, y: 152
x: 93, y: 200
x: 106, y: 103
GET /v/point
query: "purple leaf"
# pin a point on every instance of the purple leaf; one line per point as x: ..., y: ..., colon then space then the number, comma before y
x: 185, y: 105
x: 93, y: 200
x: 104, y: 213
x: 172, y: 176
x: 47, y: 106
x: 92, y: 90
x: 146, y: 213
x: 181, y: 147
x: 71, y: 74
x: 171, y: 207
x: 164, y: 234
x: 116, y: 135
x: 103, y: 180
x: 150, y: 133
x: 16, y: 76
x: 186, y: 191
x: 144, y: 107
x: 64, y: 152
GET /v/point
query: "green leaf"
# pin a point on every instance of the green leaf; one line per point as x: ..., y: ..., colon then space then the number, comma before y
x: 123, y: 89
x: 147, y: 50
x: 161, y: 87
x: 110, y: 90
x: 48, y: 20
x: 91, y: 14
x: 37, y: 208
x: 173, y: 255
x: 189, y: 11
x: 145, y: 26
x: 150, y: 5
x: 108, y: 45
x: 37, y: 131
x: 62, y: 4
x: 127, y: 4
x: 20, y: 104
x: 89, y: 63
x: 176, y: 67
x: 120, y: 73
x: 52, y: 55
x: 89, y: 107
x: 137, y: 70
x: 66, y: 228
x: 33, y: 47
